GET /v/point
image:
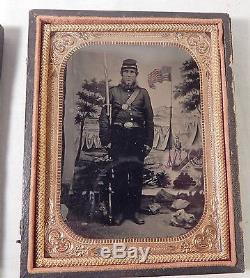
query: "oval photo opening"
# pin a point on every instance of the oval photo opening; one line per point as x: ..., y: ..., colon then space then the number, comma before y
x: 133, y: 158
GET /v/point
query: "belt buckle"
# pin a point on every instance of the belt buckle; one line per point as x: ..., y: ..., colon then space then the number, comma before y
x: 128, y: 125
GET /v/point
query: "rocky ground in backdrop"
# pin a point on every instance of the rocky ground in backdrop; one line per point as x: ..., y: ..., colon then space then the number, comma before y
x: 172, y: 203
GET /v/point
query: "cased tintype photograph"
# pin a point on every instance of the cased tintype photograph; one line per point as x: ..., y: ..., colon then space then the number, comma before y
x: 134, y: 170
x: 130, y: 152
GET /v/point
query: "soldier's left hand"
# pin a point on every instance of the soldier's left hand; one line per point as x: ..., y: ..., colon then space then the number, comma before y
x: 147, y: 150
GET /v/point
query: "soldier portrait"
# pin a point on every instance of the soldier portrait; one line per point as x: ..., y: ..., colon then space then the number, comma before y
x: 132, y: 145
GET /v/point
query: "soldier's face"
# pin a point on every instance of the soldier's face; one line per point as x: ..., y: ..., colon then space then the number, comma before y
x: 129, y: 76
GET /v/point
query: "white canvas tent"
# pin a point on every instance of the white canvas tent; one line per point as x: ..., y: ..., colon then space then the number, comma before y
x: 90, y: 140
x: 163, y: 139
x: 195, y: 139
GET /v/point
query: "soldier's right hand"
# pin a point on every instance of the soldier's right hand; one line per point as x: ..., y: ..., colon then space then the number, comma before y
x: 108, y: 149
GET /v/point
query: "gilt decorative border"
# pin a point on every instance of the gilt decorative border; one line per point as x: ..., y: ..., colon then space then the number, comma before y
x: 52, y: 243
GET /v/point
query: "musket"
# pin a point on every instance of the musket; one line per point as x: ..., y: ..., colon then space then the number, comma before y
x: 108, y: 105
x: 109, y: 115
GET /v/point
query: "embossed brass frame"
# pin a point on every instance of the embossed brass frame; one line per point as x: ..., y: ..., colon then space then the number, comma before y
x: 52, y: 246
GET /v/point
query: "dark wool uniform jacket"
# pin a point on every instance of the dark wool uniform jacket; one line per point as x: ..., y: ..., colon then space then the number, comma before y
x: 140, y: 112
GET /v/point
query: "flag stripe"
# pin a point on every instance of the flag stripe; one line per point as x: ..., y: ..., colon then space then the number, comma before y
x: 159, y: 75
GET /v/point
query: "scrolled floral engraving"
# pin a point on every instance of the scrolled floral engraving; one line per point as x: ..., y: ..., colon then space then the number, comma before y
x: 57, y: 243
x: 62, y: 42
x: 199, y: 42
x: 205, y: 240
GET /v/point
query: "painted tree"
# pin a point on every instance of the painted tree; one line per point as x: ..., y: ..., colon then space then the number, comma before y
x: 184, y: 180
x: 189, y: 90
x: 89, y: 99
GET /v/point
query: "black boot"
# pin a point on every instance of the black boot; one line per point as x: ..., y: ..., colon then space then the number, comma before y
x: 137, y: 218
x: 118, y: 219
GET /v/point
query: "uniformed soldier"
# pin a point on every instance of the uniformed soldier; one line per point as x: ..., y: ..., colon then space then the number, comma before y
x: 130, y: 137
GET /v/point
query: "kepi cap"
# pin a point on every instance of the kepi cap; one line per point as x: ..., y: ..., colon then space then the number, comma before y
x: 129, y: 64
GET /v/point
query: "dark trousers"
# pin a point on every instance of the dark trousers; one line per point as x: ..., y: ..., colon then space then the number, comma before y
x: 127, y: 152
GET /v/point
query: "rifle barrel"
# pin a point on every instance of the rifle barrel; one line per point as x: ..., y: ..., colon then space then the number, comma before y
x: 107, y: 85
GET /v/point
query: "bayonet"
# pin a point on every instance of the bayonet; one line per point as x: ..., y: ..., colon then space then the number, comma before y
x: 109, y: 115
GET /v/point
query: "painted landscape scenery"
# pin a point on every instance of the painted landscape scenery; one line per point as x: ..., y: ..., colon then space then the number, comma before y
x: 173, y: 188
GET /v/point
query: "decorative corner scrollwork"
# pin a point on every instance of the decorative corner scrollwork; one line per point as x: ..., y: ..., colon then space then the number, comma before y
x: 206, y: 239
x: 62, y: 41
x: 199, y: 42
x: 57, y: 243
x: 55, y: 240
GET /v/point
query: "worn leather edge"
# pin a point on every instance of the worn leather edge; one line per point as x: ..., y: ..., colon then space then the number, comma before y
x: 1, y: 48
x: 240, y: 267
x: 24, y: 224
x: 232, y: 142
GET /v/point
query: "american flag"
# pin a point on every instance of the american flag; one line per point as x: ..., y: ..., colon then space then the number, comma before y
x: 159, y: 75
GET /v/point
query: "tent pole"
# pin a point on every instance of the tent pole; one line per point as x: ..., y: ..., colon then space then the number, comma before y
x: 170, y: 163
